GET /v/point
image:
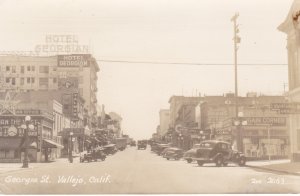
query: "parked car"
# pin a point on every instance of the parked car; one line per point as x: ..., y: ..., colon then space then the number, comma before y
x: 142, y: 144
x: 173, y: 153
x: 218, y: 152
x: 93, y: 155
x: 132, y: 143
x: 110, y: 149
x: 160, y: 148
x: 154, y: 146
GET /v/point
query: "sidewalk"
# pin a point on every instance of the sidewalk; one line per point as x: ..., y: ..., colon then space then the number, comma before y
x: 280, y: 166
x: 7, y: 167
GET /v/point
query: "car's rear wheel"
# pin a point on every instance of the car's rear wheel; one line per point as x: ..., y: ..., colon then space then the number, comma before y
x: 189, y: 160
x: 225, y: 164
x: 200, y: 163
x: 242, y: 161
x: 168, y: 158
x: 219, y: 161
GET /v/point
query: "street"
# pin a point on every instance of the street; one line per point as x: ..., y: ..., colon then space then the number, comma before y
x: 141, y: 171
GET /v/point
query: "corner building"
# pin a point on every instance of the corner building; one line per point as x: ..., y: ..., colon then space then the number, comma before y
x: 60, y: 72
x: 291, y: 27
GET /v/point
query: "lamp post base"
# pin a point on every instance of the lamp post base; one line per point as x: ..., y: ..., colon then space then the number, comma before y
x: 25, y: 164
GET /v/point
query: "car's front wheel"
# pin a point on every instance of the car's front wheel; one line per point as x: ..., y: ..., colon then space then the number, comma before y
x: 242, y: 161
x: 189, y: 160
x: 200, y: 163
x: 219, y: 161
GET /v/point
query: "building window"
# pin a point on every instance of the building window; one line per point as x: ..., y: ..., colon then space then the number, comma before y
x: 43, y: 82
x: 13, y: 81
x: 32, y: 68
x: 13, y: 69
x: 28, y: 80
x: 7, y: 68
x: 44, y: 69
x: 7, y: 80
x: 28, y: 68
x: 21, y: 81
x: 22, y: 69
x: 32, y: 80
x: 54, y: 80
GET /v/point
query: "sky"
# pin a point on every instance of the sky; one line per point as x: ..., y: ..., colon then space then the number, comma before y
x: 180, y: 36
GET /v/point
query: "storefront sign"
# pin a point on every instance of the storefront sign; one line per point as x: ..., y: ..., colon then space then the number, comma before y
x: 223, y: 132
x: 286, y: 108
x: 272, y: 121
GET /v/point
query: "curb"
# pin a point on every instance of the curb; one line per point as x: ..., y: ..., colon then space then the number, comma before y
x: 273, y: 170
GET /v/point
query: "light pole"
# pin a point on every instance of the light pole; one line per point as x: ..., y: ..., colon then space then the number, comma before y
x: 236, y: 40
x: 238, y: 123
x: 26, y: 127
x: 71, y: 148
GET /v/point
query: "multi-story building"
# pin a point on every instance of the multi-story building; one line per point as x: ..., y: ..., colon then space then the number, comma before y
x: 291, y: 27
x: 164, y: 121
x: 175, y: 104
x: 214, y: 117
x: 76, y: 71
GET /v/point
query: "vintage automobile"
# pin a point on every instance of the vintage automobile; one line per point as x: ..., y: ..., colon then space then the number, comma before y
x: 154, y: 146
x: 110, y: 149
x: 218, y: 152
x: 160, y: 148
x: 133, y: 143
x: 190, y: 153
x: 142, y: 144
x: 93, y: 155
x: 173, y: 153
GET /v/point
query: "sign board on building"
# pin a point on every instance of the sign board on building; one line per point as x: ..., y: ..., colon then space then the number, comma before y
x: 74, y: 60
x: 286, y: 108
x: 272, y: 121
x: 68, y: 83
x: 61, y: 44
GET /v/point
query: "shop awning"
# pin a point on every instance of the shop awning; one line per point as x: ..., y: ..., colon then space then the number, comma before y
x: 51, y: 144
x: 10, y: 143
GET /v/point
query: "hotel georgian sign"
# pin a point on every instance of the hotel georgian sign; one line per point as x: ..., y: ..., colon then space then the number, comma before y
x: 54, y: 44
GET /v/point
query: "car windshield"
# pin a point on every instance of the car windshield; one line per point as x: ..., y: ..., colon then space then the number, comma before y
x: 207, y: 144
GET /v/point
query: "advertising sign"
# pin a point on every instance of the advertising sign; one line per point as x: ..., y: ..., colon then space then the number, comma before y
x: 68, y: 83
x: 272, y: 121
x: 74, y: 60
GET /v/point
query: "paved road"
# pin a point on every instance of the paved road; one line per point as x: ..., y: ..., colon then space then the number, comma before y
x: 133, y: 171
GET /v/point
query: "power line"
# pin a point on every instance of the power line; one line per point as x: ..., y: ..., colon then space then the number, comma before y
x: 183, y: 63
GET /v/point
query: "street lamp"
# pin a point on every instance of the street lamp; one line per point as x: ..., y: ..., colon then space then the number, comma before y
x: 71, y: 148
x: 26, y: 127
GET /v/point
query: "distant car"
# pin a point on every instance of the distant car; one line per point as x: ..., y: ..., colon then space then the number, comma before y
x: 133, y: 143
x: 110, y: 149
x: 173, y: 153
x: 93, y: 155
x: 218, y: 152
x: 141, y: 145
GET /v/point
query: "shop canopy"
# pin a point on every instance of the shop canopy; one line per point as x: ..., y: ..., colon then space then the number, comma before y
x: 51, y: 144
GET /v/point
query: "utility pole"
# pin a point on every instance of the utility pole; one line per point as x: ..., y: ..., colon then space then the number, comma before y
x: 236, y: 40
